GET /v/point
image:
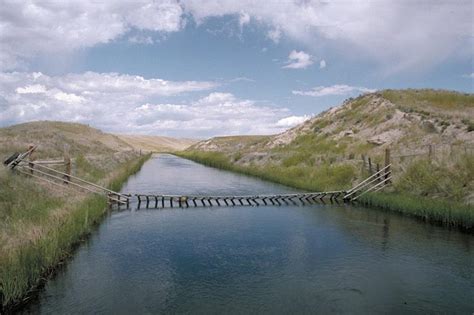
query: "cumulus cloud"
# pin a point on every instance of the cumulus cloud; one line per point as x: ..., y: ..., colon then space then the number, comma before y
x: 322, y: 64
x: 338, y: 89
x: 397, y: 34
x: 298, y: 60
x: 117, y: 103
x: 215, y: 114
x: 30, y: 28
x: 470, y: 76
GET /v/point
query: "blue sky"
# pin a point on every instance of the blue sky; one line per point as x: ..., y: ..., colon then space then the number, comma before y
x: 206, y: 68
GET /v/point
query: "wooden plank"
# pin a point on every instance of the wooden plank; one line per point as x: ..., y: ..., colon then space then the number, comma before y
x: 49, y: 162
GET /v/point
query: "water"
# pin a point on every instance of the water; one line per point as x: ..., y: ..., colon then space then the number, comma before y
x: 321, y: 258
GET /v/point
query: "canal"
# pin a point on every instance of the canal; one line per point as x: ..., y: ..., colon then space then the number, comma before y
x: 311, y: 259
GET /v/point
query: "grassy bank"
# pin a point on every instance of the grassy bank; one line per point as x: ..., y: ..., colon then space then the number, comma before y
x: 324, y: 177
x: 449, y: 213
x: 39, y: 229
x: 432, y: 192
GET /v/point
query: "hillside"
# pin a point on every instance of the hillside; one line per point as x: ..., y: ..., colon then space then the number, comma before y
x: 414, y: 124
x: 405, y: 121
x: 54, y: 136
x: 156, y: 143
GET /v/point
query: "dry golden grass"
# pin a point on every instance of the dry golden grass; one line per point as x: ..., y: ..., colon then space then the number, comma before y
x: 156, y: 143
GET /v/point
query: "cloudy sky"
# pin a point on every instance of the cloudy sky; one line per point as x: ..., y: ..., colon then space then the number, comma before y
x: 200, y: 68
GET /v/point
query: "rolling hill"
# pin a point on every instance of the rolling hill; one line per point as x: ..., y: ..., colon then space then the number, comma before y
x: 54, y: 136
x: 156, y: 143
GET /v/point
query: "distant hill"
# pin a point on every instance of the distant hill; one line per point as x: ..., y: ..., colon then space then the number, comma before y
x: 156, y: 143
x: 53, y: 136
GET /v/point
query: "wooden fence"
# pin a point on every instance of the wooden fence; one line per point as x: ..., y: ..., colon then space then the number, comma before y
x: 65, y: 162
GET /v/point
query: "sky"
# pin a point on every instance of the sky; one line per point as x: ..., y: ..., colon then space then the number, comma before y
x: 203, y: 68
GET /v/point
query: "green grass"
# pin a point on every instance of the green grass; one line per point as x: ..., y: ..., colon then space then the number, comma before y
x: 433, y: 210
x: 431, y: 191
x: 23, y: 265
x: 20, y: 201
x: 323, y: 177
x: 87, y: 170
x: 425, y: 101
x: 450, y: 179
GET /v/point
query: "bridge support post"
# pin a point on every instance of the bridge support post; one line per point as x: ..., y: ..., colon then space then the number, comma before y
x: 139, y: 201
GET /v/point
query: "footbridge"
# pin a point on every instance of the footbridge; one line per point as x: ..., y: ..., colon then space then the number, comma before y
x: 38, y: 170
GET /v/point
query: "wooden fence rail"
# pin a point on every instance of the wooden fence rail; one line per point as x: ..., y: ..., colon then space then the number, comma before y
x: 20, y: 163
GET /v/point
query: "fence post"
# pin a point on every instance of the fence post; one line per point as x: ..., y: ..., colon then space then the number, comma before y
x: 363, y: 164
x: 67, y: 164
x: 377, y: 170
x: 387, y: 163
x: 31, y: 159
x: 430, y: 151
x: 370, y: 165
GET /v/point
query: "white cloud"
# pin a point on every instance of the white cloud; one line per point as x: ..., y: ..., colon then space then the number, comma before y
x: 470, y: 76
x: 28, y: 29
x: 399, y: 35
x: 131, y: 85
x: 244, y: 18
x: 141, y: 39
x: 298, y: 60
x: 242, y: 79
x: 162, y: 16
x: 338, y: 89
x: 292, y: 121
x: 29, y: 89
x: 215, y: 114
x: 69, y: 97
x: 322, y: 64
x: 126, y: 103
x: 274, y: 35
